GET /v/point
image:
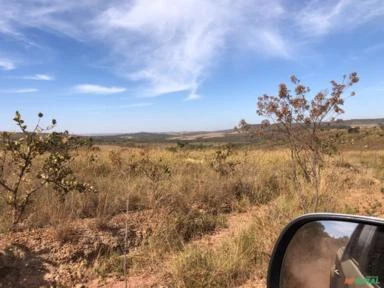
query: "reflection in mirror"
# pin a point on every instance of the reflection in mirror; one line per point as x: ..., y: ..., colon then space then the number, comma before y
x: 334, y: 254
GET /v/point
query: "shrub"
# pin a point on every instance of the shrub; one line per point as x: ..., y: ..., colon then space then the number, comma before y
x: 220, y: 162
x: 301, y: 120
x: 31, y: 160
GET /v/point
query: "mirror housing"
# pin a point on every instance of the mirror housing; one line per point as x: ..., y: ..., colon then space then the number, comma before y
x: 275, y: 270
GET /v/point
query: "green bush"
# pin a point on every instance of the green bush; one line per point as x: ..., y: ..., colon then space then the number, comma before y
x: 33, y: 159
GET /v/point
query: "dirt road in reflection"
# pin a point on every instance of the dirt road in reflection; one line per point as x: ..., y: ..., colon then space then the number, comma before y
x: 309, y: 260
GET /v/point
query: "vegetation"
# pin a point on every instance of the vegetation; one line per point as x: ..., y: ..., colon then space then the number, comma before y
x: 301, y: 121
x: 197, y: 215
x: 32, y: 160
x: 228, y: 266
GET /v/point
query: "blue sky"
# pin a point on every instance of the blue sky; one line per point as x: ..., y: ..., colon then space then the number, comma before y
x: 339, y: 229
x: 165, y: 65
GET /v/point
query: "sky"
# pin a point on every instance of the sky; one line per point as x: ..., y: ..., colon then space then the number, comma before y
x: 339, y: 229
x: 188, y: 65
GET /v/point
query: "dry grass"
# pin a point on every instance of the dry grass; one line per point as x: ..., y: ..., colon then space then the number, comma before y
x: 188, y: 194
x: 65, y: 233
x: 229, y: 265
x: 158, y: 179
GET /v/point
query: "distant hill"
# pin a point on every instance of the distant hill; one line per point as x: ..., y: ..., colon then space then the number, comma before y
x: 229, y: 135
x: 363, y: 122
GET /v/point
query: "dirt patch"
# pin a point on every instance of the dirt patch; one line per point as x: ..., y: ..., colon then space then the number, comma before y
x: 19, y: 267
x: 309, y: 258
x: 51, y: 257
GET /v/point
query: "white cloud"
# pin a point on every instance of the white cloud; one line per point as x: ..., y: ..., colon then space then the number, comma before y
x: 97, y: 89
x: 51, y: 16
x: 19, y: 91
x: 326, y: 16
x: 171, y: 46
x: 269, y: 42
x: 165, y: 45
x: 41, y: 77
x: 192, y: 96
x: 6, y: 64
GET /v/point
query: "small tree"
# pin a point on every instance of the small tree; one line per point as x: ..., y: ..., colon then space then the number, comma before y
x: 302, y: 121
x: 31, y: 160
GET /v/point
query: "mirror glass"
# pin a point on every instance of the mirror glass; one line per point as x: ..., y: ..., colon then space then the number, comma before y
x: 334, y: 254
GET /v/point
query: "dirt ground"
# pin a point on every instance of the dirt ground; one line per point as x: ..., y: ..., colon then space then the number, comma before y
x: 308, y: 262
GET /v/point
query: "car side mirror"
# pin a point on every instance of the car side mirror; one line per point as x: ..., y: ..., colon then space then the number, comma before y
x: 329, y: 251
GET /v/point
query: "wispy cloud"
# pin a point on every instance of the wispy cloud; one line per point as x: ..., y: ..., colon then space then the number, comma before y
x: 6, y: 64
x: 98, y: 89
x: 173, y: 44
x: 43, y: 15
x: 320, y: 17
x: 193, y: 95
x: 169, y: 46
x: 19, y: 91
x: 40, y: 77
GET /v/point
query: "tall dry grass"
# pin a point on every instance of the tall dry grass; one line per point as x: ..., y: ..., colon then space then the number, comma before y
x: 185, y: 194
